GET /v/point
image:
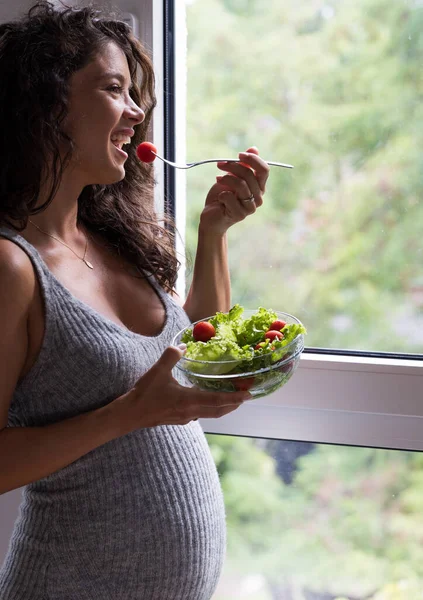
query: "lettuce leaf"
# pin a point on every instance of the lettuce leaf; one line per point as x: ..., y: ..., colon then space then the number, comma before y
x: 251, y: 331
x: 233, y: 317
x: 225, y: 331
x: 291, y: 331
x: 187, y: 336
x: 216, y: 349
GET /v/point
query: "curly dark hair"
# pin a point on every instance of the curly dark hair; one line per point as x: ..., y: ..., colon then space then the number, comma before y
x: 38, y: 54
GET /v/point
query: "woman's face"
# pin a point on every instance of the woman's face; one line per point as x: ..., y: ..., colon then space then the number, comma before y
x: 101, y: 117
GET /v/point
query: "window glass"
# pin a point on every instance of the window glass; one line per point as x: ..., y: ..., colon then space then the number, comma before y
x: 319, y: 522
x: 333, y: 87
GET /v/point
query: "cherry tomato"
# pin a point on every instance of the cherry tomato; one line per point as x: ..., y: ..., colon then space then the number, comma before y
x: 243, y: 385
x: 272, y: 334
x: 276, y: 325
x: 145, y: 152
x: 203, y: 331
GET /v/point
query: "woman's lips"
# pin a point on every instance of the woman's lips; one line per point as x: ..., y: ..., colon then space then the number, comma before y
x: 121, y: 152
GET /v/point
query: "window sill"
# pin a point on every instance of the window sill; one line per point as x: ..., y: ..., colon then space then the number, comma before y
x: 336, y: 399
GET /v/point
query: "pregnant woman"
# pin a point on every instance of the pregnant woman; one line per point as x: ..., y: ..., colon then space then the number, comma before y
x: 121, y: 498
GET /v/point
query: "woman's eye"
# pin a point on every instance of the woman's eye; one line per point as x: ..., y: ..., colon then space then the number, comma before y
x: 116, y: 89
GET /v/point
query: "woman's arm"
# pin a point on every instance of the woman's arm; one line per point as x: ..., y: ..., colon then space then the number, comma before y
x: 234, y: 196
x: 210, y: 290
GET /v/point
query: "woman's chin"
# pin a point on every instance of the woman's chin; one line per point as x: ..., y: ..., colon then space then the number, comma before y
x: 113, y: 176
x: 119, y: 177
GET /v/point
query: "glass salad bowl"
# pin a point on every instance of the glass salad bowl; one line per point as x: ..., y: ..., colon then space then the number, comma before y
x: 260, y: 370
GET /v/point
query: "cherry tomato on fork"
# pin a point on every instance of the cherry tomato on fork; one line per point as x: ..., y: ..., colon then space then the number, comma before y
x: 145, y: 152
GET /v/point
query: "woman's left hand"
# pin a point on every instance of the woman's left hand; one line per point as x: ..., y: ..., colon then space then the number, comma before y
x: 237, y: 194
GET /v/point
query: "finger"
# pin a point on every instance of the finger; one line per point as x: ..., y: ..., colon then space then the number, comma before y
x: 232, y: 207
x: 203, y: 412
x: 217, y: 399
x: 260, y: 166
x: 250, y: 150
x: 170, y: 356
x: 236, y: 185
x: 253, y: 150
x: 247, y: 175
x: 207, y: 412
x: 195, y: 404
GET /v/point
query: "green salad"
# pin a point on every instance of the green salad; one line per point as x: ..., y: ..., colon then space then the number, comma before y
x: 253, y: 343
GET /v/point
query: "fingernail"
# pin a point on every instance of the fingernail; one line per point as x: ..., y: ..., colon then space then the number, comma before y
x: 244, y: 154
x: 219, y: 178
x: 222, y: 164
x: 182, y: 346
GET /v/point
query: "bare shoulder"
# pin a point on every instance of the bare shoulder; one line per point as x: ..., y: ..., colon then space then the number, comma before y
x: 17, y: 277
x: 17, y: 287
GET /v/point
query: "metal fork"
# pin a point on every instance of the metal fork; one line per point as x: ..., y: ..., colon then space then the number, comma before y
x: 212, y: 160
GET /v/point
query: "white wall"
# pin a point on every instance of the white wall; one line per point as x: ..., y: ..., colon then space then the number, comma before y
x: 8, y: 512
x: 12, y: 10
x: 143, y: 10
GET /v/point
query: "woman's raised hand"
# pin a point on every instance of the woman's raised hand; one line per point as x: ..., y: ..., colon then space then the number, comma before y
x: 237, y: 194
x: 158, y: 399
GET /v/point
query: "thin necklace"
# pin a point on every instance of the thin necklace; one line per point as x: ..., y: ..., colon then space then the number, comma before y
x: 57, y: 239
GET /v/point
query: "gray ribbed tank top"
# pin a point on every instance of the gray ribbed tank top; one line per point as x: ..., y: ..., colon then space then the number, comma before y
x: 139, y: 518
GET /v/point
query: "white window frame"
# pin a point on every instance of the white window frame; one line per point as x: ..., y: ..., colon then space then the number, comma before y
x: 361, y: 401
x: 339, y: 400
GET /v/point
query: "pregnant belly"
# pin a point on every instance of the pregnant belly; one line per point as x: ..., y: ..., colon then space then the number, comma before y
x: 143, y: 519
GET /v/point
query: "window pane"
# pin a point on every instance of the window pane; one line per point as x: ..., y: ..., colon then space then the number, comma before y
x: 320, y: 522
x: 334, y: 88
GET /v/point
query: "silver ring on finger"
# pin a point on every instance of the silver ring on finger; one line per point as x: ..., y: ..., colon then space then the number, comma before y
x: 248, y: 200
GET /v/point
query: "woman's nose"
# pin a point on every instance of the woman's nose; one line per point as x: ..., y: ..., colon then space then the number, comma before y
x: 134, y: 112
